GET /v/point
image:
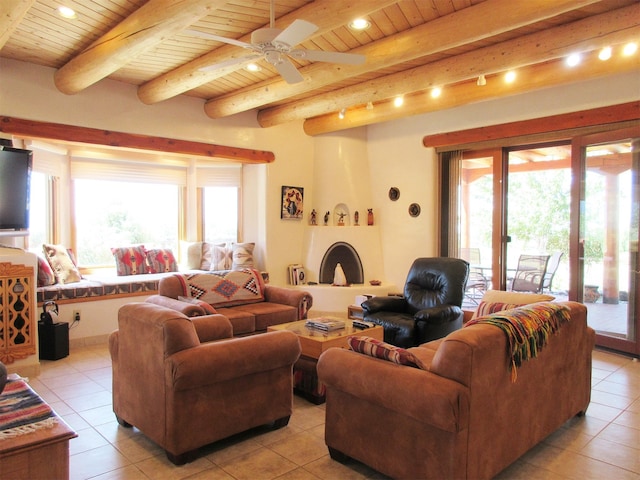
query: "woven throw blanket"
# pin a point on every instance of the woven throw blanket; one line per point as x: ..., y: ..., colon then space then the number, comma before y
x: 528, y: 329
x: 22, y: 411
x: 225, y: 288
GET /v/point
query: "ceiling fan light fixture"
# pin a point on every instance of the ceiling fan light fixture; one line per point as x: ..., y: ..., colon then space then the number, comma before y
x: 359, y: 24
x: 482, y: 81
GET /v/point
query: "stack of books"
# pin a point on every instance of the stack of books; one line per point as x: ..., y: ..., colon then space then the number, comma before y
x: 325, y: 324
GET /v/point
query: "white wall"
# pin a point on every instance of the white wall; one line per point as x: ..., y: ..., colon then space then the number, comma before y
x: 393, y: 153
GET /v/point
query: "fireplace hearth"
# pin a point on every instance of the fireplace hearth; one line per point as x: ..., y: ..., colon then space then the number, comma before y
x: 348, y: 258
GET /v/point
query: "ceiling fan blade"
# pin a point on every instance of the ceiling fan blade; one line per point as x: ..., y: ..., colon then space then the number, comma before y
x: 229, y: 63
x: 217, y: 38
x: 295, y: 33
x: 332, y: 57
x: 288, y: 71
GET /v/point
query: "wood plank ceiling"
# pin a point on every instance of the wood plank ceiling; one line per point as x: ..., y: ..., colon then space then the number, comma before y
x: 411, y: 47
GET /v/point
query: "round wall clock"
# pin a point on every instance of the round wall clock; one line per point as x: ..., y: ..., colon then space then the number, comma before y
x: 414, y: 209
x: 394, y: 194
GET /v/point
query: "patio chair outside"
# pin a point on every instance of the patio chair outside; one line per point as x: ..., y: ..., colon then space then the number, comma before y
x: 477, y: 283
x: 530, y: 273
x: 552, y: 267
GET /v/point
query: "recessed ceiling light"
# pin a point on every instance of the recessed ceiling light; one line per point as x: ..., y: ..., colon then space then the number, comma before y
x: 510, y: 76
x: 398, y: 101
x: 359, y: 24
x: 253, y: 67
x: 630, y: 48
x: 605, y: 53
x: 436, y: 92
x: 573, y: 59
x: 66, y: 12
x: 342, y: 113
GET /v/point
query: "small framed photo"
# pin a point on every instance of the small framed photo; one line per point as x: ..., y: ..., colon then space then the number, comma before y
x: 292, y: 203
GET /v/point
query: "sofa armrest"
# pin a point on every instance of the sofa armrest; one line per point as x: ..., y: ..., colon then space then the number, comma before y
x: 187, y: 309
x: 212, y: 327
x: 300, y: 299
x: 438, y: 314
x: 409, y: 391
x: 385, y: 304
x: 215, y: 362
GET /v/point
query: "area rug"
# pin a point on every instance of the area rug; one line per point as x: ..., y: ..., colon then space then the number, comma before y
x: 22, y: 411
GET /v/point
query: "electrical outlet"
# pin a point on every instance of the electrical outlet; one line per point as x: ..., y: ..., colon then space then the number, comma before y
x: 76, y: 315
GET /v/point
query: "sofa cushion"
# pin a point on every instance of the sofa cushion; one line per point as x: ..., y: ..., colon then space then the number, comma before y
x: 161, y: 260
x: 385, y: 351
x: 130, y: 260
x: 61, y: 263
x: 45, y: 274
x: 225, y: 288
x: 494, y: 301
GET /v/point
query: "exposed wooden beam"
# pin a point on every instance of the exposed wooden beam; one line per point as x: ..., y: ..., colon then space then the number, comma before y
x: 11, y: 13
x: 72, y: 133
x: 584, y: 35
x: 443, y: 33
x: 530, y: 78
x: 326, y: 14
x: 564, y: 121
x: 140, y: 31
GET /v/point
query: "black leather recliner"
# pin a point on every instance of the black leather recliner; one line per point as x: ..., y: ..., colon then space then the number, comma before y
x: 431, y: 305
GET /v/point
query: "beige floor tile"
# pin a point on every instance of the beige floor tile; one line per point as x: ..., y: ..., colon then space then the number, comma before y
x: 160, y: 468
x: 613, y: 453
x: 95, y: 462
x: 301, y: 448
x: 261, y: 464
x: 130, y: 472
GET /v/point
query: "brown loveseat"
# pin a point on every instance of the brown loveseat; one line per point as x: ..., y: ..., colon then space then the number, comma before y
x: 460, y: 415
x: 186, y: 383
x: 240, y: 295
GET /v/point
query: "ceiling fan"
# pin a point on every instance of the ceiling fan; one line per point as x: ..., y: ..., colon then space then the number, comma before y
x: 275, y: 46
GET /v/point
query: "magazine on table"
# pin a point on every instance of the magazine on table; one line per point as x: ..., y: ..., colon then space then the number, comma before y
x: 326, y: 324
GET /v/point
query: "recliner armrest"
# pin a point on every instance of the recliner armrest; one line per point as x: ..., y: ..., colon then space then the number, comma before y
x: 385, y: 304
x: 438, y: 314
x: 212, y: 327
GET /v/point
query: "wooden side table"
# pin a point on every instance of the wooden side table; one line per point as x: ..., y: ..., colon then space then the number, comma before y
x: 354, y: 312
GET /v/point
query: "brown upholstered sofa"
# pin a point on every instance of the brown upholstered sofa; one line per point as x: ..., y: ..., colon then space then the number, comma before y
x: 185, y: 382
x: 460, y: 415
x: 250, y: 305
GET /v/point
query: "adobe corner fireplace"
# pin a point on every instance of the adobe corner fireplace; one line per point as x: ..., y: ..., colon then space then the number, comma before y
x: 348, y: 258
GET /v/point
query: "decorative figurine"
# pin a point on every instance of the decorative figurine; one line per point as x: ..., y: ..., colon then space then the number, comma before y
x: 339, y: 278
x: 312, y: 220
x: 341, y: 219
x: 326, y: 218
x: 370, y: 216
x: 356, y: 217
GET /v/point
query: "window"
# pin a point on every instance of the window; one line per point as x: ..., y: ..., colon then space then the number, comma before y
x: 220, y: 214
x: 118, y: 213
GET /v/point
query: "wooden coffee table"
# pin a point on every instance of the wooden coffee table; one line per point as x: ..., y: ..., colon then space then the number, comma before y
x: 313, y: 343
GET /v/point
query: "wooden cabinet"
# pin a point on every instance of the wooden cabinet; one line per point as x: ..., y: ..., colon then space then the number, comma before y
x: 18, y: 327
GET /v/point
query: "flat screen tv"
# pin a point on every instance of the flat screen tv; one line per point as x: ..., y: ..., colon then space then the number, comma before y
x: 15, y: 182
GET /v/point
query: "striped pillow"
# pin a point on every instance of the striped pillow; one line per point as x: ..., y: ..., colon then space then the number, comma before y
x: 379, y: 349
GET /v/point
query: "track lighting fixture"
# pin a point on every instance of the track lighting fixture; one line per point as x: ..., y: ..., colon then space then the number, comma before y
x: 482, y: 81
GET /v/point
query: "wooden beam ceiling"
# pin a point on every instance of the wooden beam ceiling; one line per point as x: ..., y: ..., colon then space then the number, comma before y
x: 440, y: 34
x: 586, y: 35
x: 11, y: 12
x: 139, y: 32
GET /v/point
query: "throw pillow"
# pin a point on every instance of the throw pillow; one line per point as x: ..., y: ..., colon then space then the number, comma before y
x: 208, y: 309
x: 495, y: 301
x: 210, y: 258
x: 61, y: 263
x: 130, y: 260
x: 221, y: 259
x: 379, y: 349
x: 45, y: 274
x: 161, y: 260
x: 242, y: 255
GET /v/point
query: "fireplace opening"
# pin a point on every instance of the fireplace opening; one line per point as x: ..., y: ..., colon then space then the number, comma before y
x: 349, y: 260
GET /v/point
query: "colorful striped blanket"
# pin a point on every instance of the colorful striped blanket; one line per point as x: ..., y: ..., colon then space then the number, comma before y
x: 22, y: 410
x: 528, y: 329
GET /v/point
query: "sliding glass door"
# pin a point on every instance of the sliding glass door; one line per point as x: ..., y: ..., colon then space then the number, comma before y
x: 606, y: 260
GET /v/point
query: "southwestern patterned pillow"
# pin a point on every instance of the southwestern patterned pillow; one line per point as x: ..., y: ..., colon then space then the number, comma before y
x: 161, y: 260
x: 242, y: 255
x: 130, y: 260
x: 214, y: 257
x: 379, y: 349
x: 45, y: 274
x: 225, y: 288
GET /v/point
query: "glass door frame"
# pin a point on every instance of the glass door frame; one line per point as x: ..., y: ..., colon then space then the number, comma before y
x: 576, y: 248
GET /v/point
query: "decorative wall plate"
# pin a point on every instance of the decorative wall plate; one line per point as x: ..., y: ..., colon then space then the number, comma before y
x: 394, y: 194
x: 414, y: 209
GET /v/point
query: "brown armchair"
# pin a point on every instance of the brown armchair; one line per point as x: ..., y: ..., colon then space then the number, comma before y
x: 186, y: 383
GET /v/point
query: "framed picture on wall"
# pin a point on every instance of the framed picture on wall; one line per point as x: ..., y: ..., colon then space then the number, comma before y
x: 292, y: 203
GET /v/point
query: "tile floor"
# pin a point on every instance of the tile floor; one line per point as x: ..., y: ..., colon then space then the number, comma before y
x: 603, y: 444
